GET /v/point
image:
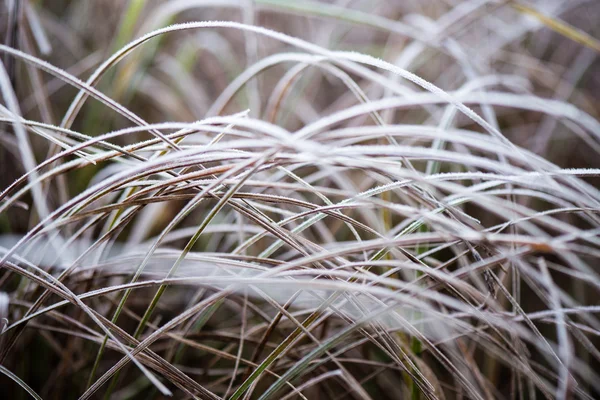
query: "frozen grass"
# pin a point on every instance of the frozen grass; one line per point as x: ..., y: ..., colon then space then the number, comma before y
x: 275, y: 199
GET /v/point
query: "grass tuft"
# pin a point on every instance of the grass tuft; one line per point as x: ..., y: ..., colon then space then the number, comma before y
x: 296, y: 200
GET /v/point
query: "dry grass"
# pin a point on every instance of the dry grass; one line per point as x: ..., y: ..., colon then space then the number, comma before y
x: 300, y: 200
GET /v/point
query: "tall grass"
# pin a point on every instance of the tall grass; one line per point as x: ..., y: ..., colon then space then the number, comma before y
x: 313, y: 200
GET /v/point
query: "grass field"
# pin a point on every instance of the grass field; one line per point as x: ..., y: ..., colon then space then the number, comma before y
x: 276, y: 199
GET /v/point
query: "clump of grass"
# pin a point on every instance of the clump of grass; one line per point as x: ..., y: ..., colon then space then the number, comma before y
x: 280, y: 199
